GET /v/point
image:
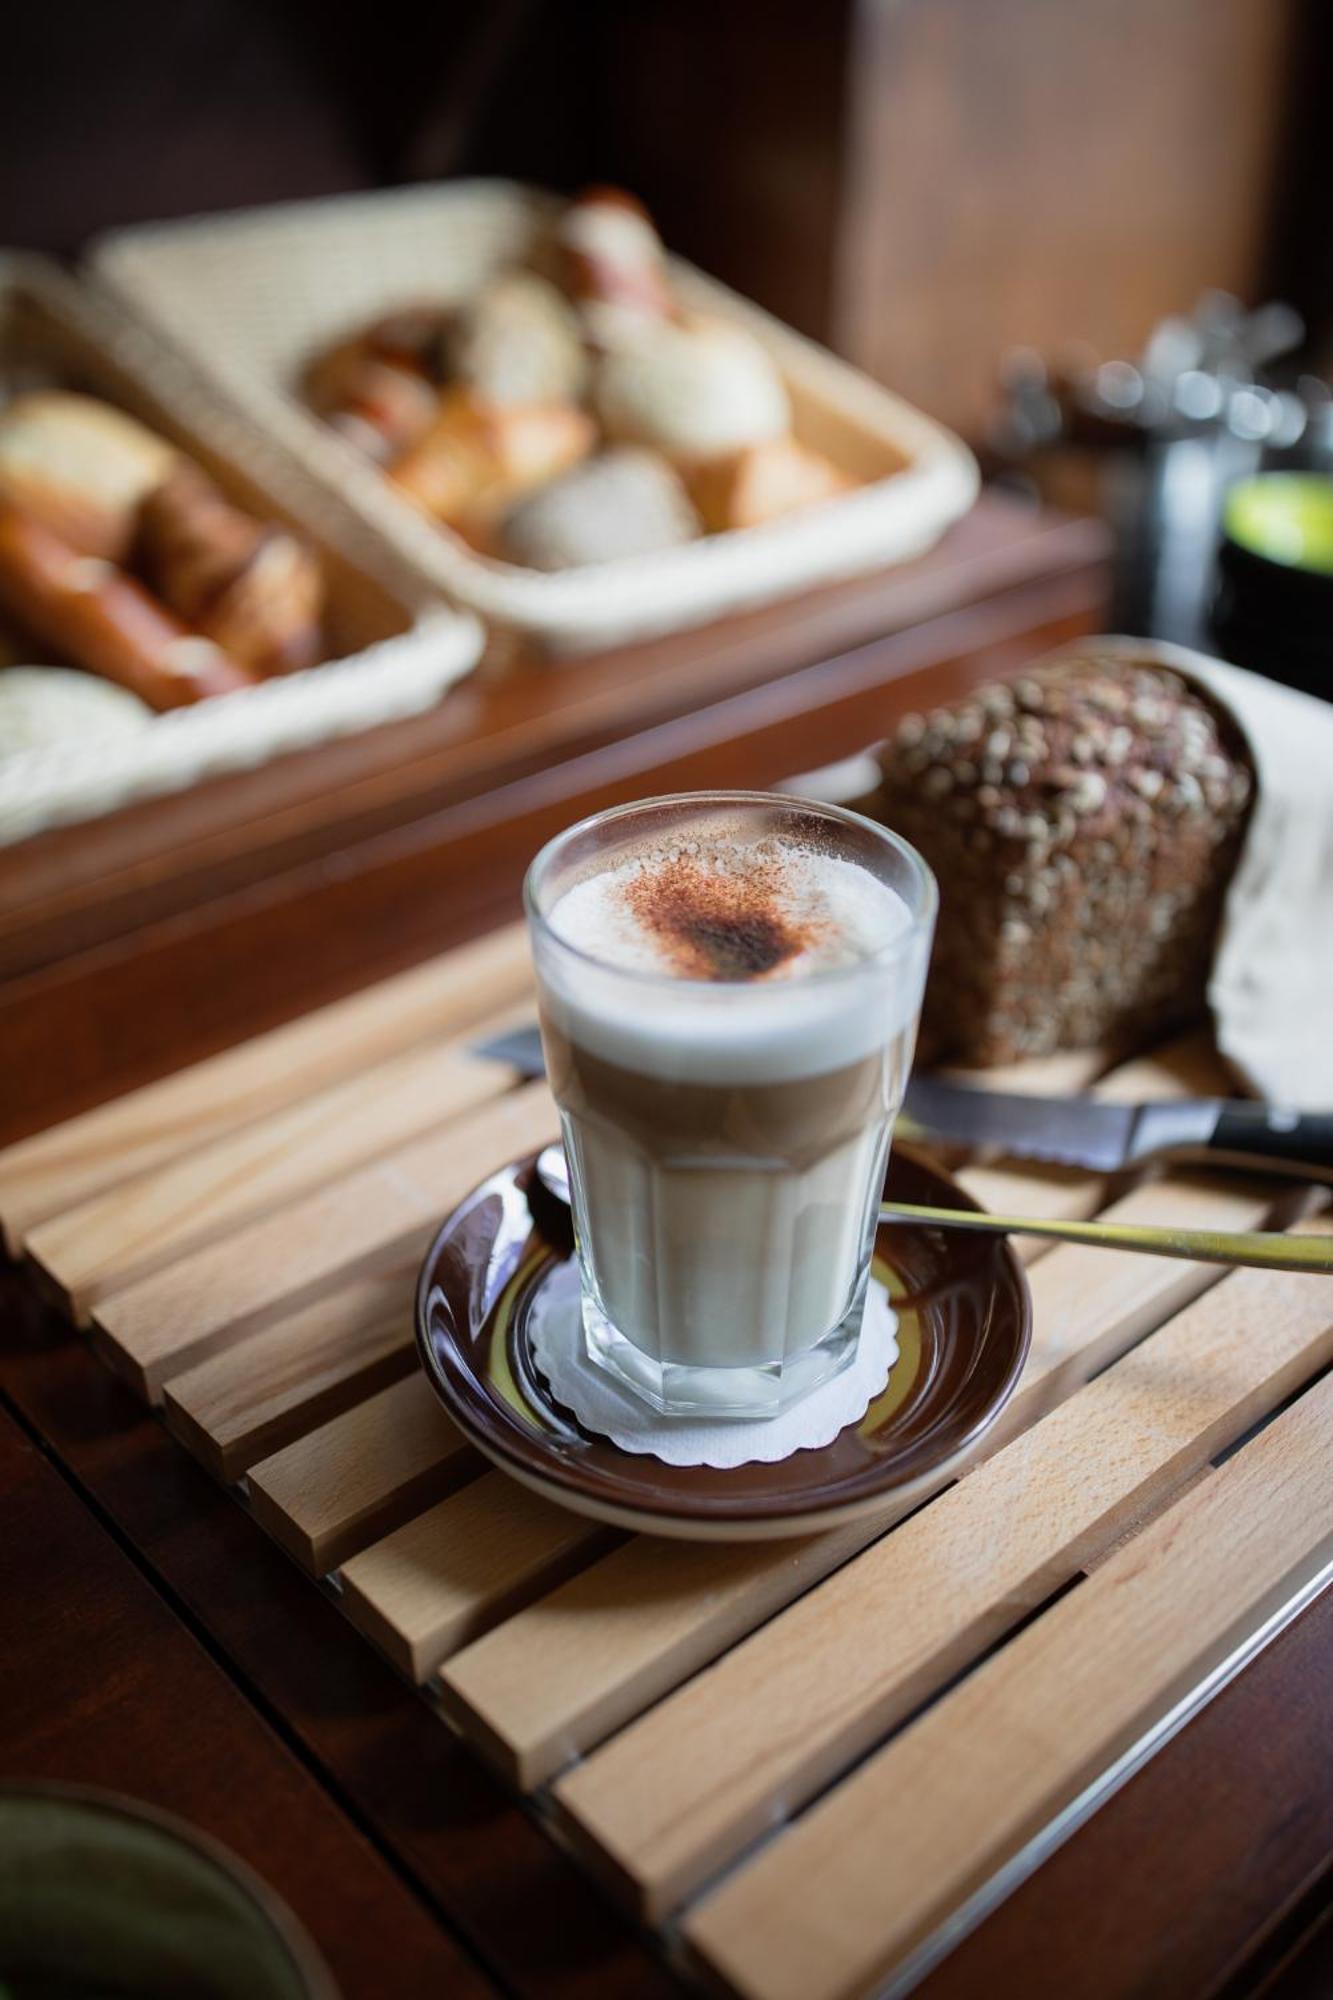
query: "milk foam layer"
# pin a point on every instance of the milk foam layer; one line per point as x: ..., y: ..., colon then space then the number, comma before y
x: 732, y: 962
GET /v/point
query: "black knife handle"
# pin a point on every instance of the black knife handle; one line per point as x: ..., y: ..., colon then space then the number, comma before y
x: 1266, y: 1132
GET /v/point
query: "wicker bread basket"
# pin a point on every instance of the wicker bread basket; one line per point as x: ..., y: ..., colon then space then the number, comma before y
x: 250, y: 297
x: 400, y: 649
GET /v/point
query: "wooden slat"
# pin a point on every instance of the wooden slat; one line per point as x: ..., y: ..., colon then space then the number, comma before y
x: 1090, y: 1305
x: 1032, y: 1187
x: 617, y: 1636
x: 686, y: 1787
x: 1189, y: 1067
x: 384, y: 1212
x: 342, y: 1486
x: 1060, y: 1194
x: 66, y: 1164
x: 408, y: 1591
x: 270, y: 1386
x: 113, y: 1239
x: 602, y: 1662
x: 443, y: 1578
x: 137, y: 1227
x: 1039, y: 1076
x: 832, y: 1906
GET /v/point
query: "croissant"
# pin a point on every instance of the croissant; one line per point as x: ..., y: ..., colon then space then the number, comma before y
x: 478, y: 458
x: 255, y: 590
x: 94, y: 614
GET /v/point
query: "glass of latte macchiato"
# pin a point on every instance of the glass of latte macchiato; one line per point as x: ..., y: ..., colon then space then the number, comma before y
x: 729, y: 986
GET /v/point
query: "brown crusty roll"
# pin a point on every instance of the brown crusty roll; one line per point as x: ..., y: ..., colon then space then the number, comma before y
x: 93, y: 614
x: 253, y: 588
x: 478, y: 458
x: 1083, y: 822
x: 611, y: 262
x: 379, y: 403
x: 761, y: 483
x: 81, y: 467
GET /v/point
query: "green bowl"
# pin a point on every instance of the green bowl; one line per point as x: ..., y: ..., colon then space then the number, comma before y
x: 102, y: 1898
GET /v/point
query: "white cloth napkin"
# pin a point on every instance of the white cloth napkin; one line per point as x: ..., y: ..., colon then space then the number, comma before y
x: 556, y: 1332
x: 1271, y: 990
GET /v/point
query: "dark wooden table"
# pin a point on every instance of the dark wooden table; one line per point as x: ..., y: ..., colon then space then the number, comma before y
x: 157, y: 1644
x: 181, y: 924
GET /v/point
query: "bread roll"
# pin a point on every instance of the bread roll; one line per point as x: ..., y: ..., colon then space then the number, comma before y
x: 762, y: 483
x: 81, y: 467
x: 40, y: 706
x: 90, y: 612
x: 695, y: 391
x: 626, y: 502
x: 382, y: 406
x: 518, y: 341
x: 254, y: 589
x: 478, y: 458
x: 612, y: 264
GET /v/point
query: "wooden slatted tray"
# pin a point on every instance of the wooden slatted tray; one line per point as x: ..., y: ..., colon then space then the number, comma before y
x: 809, y: 1766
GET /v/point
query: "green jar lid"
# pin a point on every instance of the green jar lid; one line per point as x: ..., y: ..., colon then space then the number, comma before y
x: 1286, y: 517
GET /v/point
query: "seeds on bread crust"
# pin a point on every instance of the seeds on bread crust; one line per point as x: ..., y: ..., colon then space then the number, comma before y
x: 1083, y: 822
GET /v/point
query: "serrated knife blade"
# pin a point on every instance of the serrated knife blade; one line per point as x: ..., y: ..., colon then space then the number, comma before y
x: 1104, y: 1138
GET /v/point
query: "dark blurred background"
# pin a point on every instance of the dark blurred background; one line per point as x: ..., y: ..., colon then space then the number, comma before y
x: 923, y: 184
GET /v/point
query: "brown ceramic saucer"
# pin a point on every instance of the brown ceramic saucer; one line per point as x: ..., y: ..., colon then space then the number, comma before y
x: 964, y: 1319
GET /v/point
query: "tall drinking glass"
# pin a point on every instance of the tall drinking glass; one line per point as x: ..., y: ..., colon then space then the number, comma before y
x: 727, y: 1120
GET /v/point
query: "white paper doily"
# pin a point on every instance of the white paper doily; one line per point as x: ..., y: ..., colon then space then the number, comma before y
x: 555, y: 1329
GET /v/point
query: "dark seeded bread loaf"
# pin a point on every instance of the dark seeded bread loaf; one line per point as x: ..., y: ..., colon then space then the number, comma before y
x: 1083, y: 821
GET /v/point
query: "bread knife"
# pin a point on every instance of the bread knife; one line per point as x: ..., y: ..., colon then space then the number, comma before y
x: 1089, y: 1132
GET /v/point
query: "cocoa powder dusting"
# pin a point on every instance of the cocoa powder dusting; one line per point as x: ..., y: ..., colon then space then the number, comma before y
x: 714, y: 925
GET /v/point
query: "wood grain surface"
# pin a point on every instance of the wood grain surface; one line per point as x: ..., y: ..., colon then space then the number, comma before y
x: 352, y: 1466
x: 135, y: 1228
x: 1211, y: 1847
x: 66, y: 1164
x: 393, y: 1773
x: 1060, y: 130
x: 698, y: 1713
x: 997, y: 1758
x: 694, y: 1782
x: 306, y: 1366
x: 220, y: 918
x: 381, y: 1215
x: 139, y: 1708
x: 689, y: 1605
x: 462, y: 1566
x: 78, y: 886
x: 349, y: 1481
